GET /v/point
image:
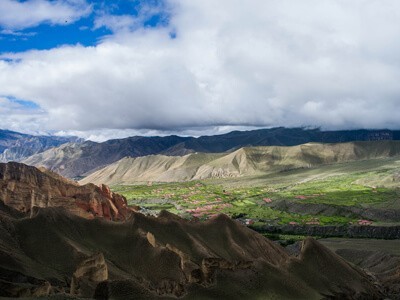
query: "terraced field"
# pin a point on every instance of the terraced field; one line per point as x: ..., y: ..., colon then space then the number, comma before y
x: 351, y: 187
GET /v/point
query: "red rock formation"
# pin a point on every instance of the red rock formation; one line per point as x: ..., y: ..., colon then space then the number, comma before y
x: 24, y: 187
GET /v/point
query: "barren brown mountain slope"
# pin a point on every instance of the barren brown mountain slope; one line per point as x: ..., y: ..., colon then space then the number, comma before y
x: 75, y: 160
x: 54, y: 252
x: 24, y: 188
x: 242, y: 162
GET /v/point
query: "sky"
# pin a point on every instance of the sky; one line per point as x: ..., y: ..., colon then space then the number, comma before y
x: 111, y: 69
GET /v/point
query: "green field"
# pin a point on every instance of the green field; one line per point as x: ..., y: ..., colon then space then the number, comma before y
x: 358, y: 184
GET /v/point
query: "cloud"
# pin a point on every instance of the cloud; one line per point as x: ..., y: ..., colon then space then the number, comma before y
x: 16, y: 15
x: 16, y: 33
x: 104, y: 134
x: 155, y: 12
x: 329, y: 63
x: 20, y: 115
x: 116, y: 23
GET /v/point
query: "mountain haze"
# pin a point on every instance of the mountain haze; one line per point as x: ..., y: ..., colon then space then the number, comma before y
x: 79, y: 160
x: 242, y: 162
x: 15, y: 146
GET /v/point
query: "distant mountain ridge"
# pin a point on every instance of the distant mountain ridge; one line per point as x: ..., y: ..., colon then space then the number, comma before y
x: 15, y: 146
x: 242, y: 162
x: 79, y: 160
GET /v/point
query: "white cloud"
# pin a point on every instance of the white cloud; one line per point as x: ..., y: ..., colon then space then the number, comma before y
x: 104, y: 134
x: 144, y: 11
x: 17, y: 15
x: 260, y: 63
x: 17, y: 33
x: 19, y: 117
x: 117, y: 23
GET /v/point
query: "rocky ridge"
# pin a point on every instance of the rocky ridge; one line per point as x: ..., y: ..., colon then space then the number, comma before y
x: 166, y: 258
x: 78, y: 160
x: 48, y: 249
x: 248, y: 161
x: 15, y: 146
x: 26, y: 188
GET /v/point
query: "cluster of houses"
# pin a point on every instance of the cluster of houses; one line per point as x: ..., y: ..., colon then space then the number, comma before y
x: 247, y: 222
x: 207, y: 209
x: 364, y: 222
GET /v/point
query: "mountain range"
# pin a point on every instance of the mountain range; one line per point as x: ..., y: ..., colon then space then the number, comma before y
x: 15, y: 146
x: 248, y: 161
x: 50, y: 251
x: 77, y: 160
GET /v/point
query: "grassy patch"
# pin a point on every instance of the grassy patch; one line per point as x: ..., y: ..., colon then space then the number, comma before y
x: 203, y: 199
x: 286, y: 239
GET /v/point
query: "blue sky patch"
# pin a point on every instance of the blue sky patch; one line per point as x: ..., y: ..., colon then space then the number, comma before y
x: 154, y: 13
x: 24, y: 104
x: 48, y: 37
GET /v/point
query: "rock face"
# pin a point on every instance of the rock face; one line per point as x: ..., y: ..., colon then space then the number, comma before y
x: 25, y: 188
x: 49, y: 250
x: 14, y: 284
x: 88, y: 275
x: 168, y: 257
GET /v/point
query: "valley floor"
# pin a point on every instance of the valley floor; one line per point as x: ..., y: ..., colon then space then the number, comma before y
x: 357, y: 193
x: 389, y: 246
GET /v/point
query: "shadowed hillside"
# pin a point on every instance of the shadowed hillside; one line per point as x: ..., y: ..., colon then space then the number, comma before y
x: 15, y: 146
x: 75, y: 160
x: 54, y: 252
x: 242, y: 162
x: 50, y: 250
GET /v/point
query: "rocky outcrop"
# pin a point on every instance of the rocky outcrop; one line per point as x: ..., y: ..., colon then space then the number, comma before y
x: 24, y: 188
x: 14, y: 284
x: 149, y: 258
x: 17, y: 290
x: 200, y: 272
x: 88, y: 275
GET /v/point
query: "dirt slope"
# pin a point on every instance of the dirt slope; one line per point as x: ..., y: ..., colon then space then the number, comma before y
x: 76, y: 160
x: 55, y: 252
x: 242, y: 162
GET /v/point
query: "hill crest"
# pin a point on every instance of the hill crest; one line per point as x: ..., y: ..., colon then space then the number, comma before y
x: 245, y: 161
x: 83, y: 159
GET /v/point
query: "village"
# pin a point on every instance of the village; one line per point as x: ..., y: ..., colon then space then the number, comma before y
x: 201, y: 201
